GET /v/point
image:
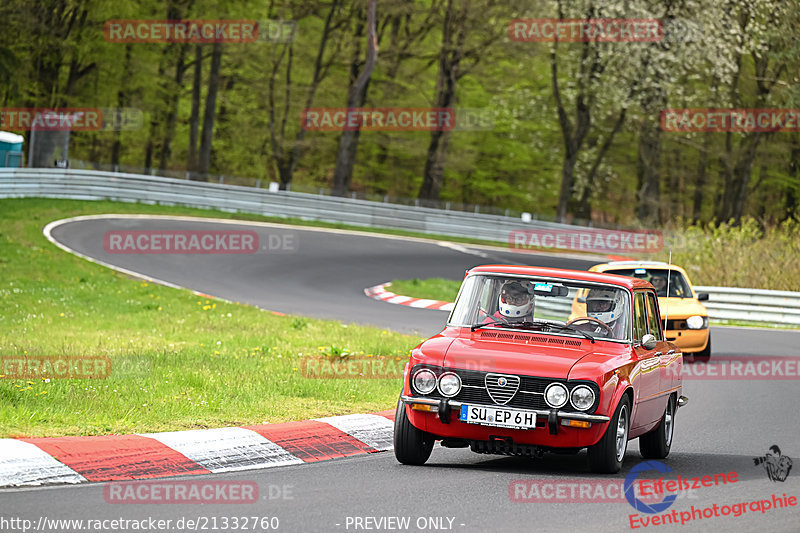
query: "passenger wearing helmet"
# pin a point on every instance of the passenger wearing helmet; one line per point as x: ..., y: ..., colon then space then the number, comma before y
x: 607, y: 306
x: 515, y: 303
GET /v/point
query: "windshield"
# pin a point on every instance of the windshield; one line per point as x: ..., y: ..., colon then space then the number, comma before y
x: 678, y: 286
x: 543, y: 305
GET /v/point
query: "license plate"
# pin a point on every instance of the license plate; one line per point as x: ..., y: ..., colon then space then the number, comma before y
x: 497, y: 416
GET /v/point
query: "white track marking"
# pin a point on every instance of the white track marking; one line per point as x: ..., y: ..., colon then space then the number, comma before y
x: 423, y: 303
x: 22, y: 463
x: 226, y: 449
x: 374, y: 430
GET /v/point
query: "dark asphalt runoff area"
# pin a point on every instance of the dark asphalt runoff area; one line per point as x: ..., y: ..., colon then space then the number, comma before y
x: 723, y: 428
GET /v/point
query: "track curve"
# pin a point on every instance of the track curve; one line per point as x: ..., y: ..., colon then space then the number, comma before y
x: 725, y: 425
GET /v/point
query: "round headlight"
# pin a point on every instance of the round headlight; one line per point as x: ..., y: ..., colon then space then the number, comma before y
x: 449, y: 384
x: 695, y: 322
x: 556, y: 395
x: 582, y: 397
x: 424, y: 381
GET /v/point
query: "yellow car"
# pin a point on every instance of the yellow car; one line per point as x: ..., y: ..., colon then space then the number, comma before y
x: 687, y: 318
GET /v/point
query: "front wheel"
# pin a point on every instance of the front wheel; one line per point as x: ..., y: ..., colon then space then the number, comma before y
x: 412, y: 446
x: 655, y: 444
x: 607, y: 455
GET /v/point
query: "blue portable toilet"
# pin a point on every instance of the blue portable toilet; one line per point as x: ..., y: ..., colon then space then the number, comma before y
x: 10, y: 149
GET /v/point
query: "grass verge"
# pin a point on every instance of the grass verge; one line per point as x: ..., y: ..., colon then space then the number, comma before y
x: 441, y: 289
x: 177, y: 361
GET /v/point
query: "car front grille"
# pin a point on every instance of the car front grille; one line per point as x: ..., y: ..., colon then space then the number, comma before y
x: 501, y: 387
x: 676, y: 324
x: 529, y: 393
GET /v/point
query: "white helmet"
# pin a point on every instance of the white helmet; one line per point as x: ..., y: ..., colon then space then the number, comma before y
x: 605, y: 305
x: 515, y: 300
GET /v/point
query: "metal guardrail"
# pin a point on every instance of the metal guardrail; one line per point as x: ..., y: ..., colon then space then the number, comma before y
x: 92, y: 185
x: 753, y: 305
x: 728, y: 303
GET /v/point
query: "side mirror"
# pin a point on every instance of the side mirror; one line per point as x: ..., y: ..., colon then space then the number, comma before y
x: 581, y: 299
x: 649, y: 341
x: 702, y: 296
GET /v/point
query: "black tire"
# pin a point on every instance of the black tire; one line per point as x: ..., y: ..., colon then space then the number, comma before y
x: 655, y: 444
x: 605, y: 457
x: 411, y: 445
x: 704, y: 355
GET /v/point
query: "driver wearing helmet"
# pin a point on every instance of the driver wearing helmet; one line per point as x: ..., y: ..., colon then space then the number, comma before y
x: 515, y: 303
x: 607, y: 306
x: 660, y: 284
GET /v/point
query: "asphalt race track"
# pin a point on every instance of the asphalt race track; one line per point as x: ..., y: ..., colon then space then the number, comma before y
x: 724, y: 427
x: 323, y: 274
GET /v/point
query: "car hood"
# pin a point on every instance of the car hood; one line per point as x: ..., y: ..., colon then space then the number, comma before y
x: 532, y: 358
x: 681, y: 307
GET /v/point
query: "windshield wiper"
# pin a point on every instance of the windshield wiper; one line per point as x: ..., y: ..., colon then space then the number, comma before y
x: 503, y: 323
x: 570, y: 328
x: 492, y: 323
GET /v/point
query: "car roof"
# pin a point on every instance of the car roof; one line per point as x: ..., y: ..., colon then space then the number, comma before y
x: 577, y: 275
x: 602, y: 267
x: 653, y: 263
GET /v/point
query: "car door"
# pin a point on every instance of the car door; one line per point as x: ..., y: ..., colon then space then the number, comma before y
x: 645, y: 376
x: 664, y: 350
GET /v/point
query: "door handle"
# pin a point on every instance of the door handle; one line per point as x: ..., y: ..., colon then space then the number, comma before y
x: 657, y: 354
x: 670, y: 352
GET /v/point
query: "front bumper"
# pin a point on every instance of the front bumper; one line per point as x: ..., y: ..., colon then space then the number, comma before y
x: 554, y: 428
x: 688, y: 340
x: 561, y: 415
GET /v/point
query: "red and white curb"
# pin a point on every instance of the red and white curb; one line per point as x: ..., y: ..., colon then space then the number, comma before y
x: 379, y: 292
x: 50, y: 461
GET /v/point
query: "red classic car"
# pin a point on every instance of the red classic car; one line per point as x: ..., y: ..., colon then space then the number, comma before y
x: 511, y: 375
